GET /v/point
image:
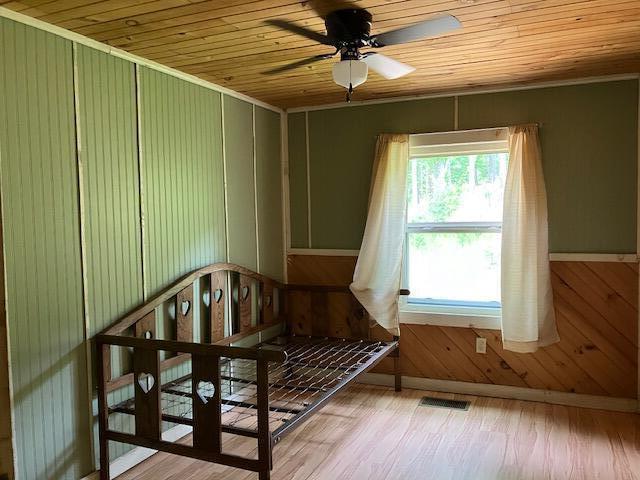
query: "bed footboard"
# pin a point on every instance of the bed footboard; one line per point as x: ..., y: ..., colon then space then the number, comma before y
x: 149, y: 408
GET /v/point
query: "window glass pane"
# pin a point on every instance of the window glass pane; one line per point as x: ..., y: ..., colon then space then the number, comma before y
x: 463, y: 188
x: 459, y: 267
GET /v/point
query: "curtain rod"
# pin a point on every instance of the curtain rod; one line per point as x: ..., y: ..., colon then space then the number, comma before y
x: 533, y: 124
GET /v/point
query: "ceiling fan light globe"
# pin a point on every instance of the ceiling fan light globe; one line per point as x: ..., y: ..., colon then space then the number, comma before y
x: 350, y: 72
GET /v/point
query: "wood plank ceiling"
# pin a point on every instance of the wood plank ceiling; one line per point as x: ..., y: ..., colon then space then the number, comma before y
x: 502, y: 42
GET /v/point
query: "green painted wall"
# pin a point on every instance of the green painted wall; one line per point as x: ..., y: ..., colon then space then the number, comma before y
x: 111, y: 198
x: 589, y: 143
x: 341, y: 149
x: 241, y: 208
x: 42, y: 254
x: 182, y: 178
x: 588, y: 135
x: 269, y: 193
x: 298, y: 195
x: 149, y: 177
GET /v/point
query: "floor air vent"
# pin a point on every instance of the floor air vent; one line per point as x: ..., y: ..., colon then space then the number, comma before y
x: 444, y: 403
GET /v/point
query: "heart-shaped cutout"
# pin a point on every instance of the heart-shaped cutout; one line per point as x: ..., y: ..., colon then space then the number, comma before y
x: 217, y: 295
x: 267, y: 300
x: 185, y: 306
x: 205, y: 391
x: 206, y: 298
x: 146, y: 381
x: 245, y: 292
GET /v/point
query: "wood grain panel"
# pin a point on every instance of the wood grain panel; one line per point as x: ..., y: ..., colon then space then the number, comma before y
x: 184, y: 314
x: 227, y: 42
x: 320, y: 270
x: 597, y: 314
x: 146, y: 370
x: 207, y: 434
x: 245, y: 299
x: 266, y: 304
x: 217, y: 294
x: 146, y: 326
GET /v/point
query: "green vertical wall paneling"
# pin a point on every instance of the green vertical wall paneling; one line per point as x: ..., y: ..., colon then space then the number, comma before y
x: 111, y: 197
x: 238, y: 145
x: 588, y: 135
x: 341, y: 147
x: 269, y: 192
x: 42, y: 248
x: 182, y: 178
x: 109, y: 155
x: 298, y: 195
x: 181, y: 196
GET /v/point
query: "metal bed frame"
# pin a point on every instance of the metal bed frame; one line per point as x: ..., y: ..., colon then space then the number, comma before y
x: 262, y: 392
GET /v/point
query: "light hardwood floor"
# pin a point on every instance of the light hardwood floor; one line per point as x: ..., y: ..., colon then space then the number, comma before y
x: 374, y: 433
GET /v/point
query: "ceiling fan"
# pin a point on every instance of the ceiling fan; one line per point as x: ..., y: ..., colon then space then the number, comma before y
x: 349, y: 30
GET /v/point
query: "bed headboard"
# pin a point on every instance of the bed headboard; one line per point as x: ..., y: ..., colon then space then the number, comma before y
x: 231, y: 303
x: 326, y: 311
x: 251, y: 301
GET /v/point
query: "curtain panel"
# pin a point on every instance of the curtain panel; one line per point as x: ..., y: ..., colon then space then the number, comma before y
x: 376, y: 280
x: 528, y: 316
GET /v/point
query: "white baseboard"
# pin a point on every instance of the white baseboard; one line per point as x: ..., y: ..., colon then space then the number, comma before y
x: 502, y: 391
x: 140, y: 454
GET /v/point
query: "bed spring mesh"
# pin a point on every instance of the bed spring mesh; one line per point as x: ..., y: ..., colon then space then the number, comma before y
x: 312, y: 370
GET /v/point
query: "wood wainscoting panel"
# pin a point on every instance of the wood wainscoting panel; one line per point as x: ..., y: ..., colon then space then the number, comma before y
x: 597, y: 313
x: 320, y: 269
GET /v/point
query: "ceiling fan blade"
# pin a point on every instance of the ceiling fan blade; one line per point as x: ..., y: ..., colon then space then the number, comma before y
x: 386, y: 66
x: 297, y: 29
x: 428, y: 28
x: 299, y: 63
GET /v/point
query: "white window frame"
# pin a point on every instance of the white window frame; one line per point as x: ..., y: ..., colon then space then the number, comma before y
x: 493, y: 140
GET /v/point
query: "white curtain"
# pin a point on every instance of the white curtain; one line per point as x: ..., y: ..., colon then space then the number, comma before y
x: 376, y: 280
x: 528, y: 317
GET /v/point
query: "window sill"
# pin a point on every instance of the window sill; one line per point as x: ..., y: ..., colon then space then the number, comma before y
x: 413, y: 317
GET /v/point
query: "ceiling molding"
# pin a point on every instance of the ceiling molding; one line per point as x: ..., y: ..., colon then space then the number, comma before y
x: 471, y: 91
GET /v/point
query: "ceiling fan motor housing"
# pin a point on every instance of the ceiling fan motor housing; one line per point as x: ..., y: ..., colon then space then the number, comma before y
x: 349, y: 27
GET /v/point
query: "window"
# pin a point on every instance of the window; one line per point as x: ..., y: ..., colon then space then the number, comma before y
x: 454, y: 221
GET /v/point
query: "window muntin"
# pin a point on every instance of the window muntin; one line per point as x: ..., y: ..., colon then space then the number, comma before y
x: 454, y: 221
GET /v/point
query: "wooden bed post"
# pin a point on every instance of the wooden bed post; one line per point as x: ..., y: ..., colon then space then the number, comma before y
x: 396, y: 365
x: 264, y: 435
x: 207, y: 431
x: 103, y: 413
